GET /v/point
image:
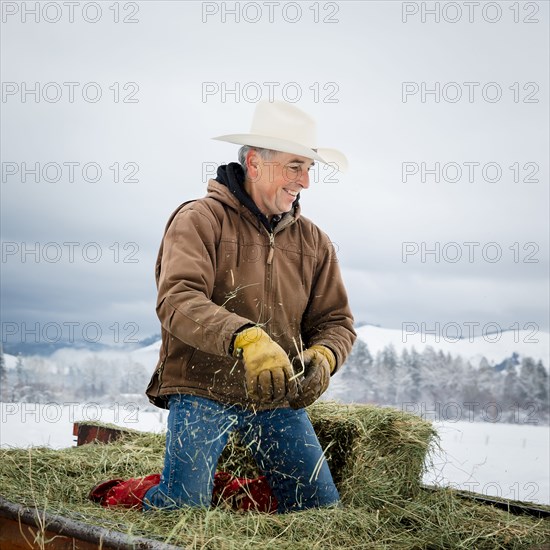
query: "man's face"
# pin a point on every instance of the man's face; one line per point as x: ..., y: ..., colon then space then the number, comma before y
x: 275, y: 182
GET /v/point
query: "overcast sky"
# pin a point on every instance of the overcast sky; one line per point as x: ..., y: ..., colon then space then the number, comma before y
x: 360, y: 68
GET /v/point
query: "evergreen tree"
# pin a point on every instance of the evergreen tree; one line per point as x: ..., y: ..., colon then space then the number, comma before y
x: 387, y: 371
x: 510, y: 387
x: 410, y: 363
x: 457, y: 369
x: 429, y: 385
x: 360, y: 354
x: 20, y: 371
x: 543, y: 393
x: 444, y: 378
x: 533, y: 388
x: 510, y: 392
x: 357, y: 374
x: 486, y: 384
x: 527, y: 383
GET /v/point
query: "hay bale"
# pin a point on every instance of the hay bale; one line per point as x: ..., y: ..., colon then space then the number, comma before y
x: 370, y: 450
x: 376, y: 455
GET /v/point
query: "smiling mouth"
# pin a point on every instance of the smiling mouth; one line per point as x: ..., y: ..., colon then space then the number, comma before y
x: 293, y: 194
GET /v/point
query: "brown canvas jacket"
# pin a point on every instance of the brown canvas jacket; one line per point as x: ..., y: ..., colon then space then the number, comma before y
x: 219, y: 269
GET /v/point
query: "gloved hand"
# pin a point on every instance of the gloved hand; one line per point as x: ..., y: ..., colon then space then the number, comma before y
x: 268, y: 372
x: 316, y: 363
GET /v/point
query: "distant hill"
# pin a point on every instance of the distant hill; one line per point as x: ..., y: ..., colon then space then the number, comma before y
x: 496, y: 348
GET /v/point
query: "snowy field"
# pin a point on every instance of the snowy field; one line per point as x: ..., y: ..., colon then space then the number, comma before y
x: 507, y: 460
x: 51, y: 425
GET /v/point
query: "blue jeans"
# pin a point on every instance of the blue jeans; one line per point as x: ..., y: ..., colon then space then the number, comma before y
x: 282, y: 441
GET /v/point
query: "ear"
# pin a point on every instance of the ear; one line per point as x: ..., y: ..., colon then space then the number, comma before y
x: 252, y: 164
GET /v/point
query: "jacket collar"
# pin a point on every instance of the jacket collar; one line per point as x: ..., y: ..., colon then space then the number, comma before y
x: 232, y: 177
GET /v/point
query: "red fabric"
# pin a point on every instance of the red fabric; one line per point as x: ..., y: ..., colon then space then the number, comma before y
x: 237, y: 493
x: 242, y: 494
x: 97, y: 494
x: 127, y: 493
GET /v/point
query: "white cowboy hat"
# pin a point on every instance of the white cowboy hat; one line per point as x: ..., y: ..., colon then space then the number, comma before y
x: 281, y: 126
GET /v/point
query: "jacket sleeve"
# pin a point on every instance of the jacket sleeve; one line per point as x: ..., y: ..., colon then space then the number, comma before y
x: 186, y: 277
x: 328, y: 320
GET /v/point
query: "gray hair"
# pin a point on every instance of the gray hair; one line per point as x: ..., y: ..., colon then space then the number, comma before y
x: 266, y: 154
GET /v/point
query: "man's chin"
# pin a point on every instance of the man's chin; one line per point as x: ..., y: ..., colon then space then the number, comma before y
x: 284, y: 208
x: 294, y: 204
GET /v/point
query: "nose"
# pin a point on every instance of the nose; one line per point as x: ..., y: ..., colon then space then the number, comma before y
x: 304, y: 179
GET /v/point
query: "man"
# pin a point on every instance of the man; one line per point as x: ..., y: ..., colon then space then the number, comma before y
x: 255, y: 320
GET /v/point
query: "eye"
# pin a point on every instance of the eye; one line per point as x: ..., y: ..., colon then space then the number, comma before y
x: 294, y: 167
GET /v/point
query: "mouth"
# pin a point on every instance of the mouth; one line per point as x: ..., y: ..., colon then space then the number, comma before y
x: 291, y: 193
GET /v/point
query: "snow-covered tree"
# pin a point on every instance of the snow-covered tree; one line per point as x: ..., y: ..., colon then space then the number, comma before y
x: 410, y: 380
x: 481, y: 385
x: 533, y: 386
x: 387, y: 366
x: 510, y: 385
x: 20, y: 371
x: 357, y: 374
x: 429, y: 375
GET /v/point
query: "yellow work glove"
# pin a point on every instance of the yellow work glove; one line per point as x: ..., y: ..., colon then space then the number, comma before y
x: 316, y: 365
x: 268, y: 372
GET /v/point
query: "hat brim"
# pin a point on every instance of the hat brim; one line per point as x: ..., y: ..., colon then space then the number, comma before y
x: 325, y: 155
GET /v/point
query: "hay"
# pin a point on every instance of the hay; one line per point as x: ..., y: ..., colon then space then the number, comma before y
x: 376, y: 456
x: 373, y: 449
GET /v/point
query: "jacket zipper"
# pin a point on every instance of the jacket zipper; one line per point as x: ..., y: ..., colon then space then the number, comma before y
x: 268, y: 274
x: 271, y: 248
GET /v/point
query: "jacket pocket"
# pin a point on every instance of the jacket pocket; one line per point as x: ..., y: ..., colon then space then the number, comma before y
x: 154, y: 386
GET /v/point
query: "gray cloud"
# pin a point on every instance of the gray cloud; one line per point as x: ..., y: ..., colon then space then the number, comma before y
x: 369, y: 213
